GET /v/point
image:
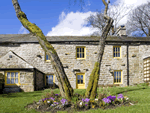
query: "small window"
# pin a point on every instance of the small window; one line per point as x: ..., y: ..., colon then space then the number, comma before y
x: 12, y: 78
x: 117, y: 51
x: 117, y: 77
x: 146, y: 67
x: 47, y: 57
x: 80, y: 52
x: 50, y: 80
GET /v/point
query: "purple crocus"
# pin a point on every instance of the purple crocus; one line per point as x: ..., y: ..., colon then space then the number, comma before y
x: 106, y: 100
x: 52, y: 98
x: 111, y: 97
x: 56, y: 94
x: 63, y: 101
x: 85, y: 100
x: 85, y: 104
x: 120, y: 96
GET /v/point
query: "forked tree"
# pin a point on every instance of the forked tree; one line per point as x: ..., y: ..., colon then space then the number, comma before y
x: 94, y: 76
x: 64, y: 85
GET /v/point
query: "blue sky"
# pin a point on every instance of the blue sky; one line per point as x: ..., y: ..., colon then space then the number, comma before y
x: 54, y: 17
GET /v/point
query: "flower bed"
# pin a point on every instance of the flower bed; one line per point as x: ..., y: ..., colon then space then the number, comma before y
x: 54, y: 102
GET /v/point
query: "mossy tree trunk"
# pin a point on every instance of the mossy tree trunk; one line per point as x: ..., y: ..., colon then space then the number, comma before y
x: 94, y: 76
x: 64, y: 85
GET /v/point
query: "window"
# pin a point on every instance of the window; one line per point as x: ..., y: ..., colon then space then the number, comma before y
x: 80, y: 52
x: 146, y: 69
x: 117, y: 51
x: 47, y: 57
x: 117, y: 77
x: 50, y: 80
x: 80, y: 81
x: 12, y: 78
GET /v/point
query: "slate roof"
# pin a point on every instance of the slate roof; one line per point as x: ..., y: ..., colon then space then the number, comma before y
x: 21, y: 38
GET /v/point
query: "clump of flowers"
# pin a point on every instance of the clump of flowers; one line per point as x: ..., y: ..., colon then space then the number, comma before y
x: 64, y: 101
x: 112, y: 99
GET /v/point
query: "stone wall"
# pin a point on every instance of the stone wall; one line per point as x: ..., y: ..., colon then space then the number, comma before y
x: 67, y: 54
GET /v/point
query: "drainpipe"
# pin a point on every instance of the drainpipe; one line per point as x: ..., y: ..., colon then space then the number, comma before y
x: 127, y: 64
x: 34, y: 79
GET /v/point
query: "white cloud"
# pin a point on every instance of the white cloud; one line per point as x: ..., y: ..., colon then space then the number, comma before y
x: 72, y: 24
x: 134, y: 2
x: 23, y: 30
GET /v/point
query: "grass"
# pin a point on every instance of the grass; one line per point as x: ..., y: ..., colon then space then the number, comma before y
x: 15, y: 102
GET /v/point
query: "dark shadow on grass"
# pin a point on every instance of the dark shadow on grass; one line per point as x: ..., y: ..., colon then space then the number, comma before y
x: 130, y: 90
x: 21, y: 94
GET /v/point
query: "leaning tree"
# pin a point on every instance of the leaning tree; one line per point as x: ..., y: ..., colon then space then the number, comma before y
x: 64, y: 85
x: 94, y: 76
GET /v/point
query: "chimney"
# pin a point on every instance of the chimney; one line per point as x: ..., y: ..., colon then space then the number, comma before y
x: 121, y: 31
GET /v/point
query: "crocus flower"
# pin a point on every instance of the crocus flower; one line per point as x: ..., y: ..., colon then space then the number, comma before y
x: 56, y: 94
x: 63, y: 101
x: 52, y: 98
x: 85, y: 104
x: 120, y: 96
x: 85, y: 100
x: 111, y: 97
x: 106, y: 100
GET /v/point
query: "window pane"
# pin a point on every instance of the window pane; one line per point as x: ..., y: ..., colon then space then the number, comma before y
x: 8, y: 75
x: 83, y: 55
x: 12, y: 74
x: 80, y: 55
x: 83, y: 49
x: 77, y: 55
x: 81, y: 81
x: 8, y: 81
x: 12, y: 80
x: 118, y: 54
x: 16, y: 74
x: 46, y: 57
x: 80, y: 49
x: 81, y: 77
x: 114, y: 54
x: 78, y: 77
x: 78, y: 81
x: 118, y: 49
x: 16, y: 80
x: 114, y: 49
x: 77, y: 49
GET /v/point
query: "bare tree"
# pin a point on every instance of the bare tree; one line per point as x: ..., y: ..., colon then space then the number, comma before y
x: 94, y: 76
x: 64, y: 85
x: 138, y: 22
x: 116, y: 12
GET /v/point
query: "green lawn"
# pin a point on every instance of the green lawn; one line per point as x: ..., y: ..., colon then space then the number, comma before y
x: 15, y: 102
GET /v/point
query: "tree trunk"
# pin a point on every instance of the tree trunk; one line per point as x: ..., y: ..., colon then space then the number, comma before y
x: 94, y: 77
x: 64, y: 85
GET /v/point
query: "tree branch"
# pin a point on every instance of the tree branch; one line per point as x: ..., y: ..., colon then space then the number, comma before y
x: 106, y: 8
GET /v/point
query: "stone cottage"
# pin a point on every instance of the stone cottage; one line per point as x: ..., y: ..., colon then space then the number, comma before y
x: 26, y: 66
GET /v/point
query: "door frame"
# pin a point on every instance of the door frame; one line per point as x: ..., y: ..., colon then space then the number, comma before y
x: 83, y: 80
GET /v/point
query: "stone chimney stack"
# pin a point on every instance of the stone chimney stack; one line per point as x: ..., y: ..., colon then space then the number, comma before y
x: 121, y: 31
